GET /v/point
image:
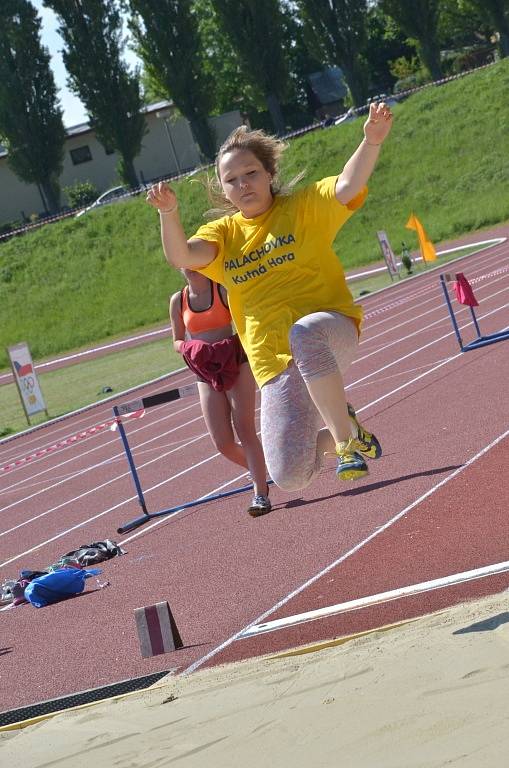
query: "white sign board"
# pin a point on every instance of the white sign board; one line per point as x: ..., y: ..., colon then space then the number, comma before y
x: 388, y: 253
x: 26, y: 379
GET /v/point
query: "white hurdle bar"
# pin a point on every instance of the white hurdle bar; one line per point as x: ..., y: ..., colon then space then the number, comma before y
x: 382, y: 597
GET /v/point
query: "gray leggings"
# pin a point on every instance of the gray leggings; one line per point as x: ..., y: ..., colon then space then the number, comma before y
x: 321, y: 343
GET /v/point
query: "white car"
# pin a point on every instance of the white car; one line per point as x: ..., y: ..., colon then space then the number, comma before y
x: 110, y: 196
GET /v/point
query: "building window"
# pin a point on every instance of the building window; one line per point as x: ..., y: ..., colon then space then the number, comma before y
x: 81, y: 155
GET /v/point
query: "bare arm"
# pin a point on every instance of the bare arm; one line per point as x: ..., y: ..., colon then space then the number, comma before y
x: 360, y: 166
x: 178, y: 250
x: 177, y: 324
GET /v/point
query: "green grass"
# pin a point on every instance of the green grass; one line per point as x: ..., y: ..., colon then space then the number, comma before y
x: 83, y: 280
x: 67, y: 389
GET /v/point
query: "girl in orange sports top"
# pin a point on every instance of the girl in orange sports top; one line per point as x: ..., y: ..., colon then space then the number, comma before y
x: 203, y: 334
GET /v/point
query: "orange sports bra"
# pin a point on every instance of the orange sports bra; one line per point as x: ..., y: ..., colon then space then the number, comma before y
x: 216, y: 316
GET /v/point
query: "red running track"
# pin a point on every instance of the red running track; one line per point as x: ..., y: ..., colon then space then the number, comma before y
x: 428, y: 509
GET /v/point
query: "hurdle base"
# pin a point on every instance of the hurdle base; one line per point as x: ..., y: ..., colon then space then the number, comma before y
x: 485, y: 341
x: 142, y: 519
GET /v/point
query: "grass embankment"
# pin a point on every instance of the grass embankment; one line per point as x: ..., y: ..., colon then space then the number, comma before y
x: 85, y: 280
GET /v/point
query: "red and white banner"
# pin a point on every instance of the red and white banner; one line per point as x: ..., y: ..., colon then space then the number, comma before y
x: 26, y: 379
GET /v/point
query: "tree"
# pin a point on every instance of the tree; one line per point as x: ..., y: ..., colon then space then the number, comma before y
x: 498, y: 13
x: 339, y: 29
x: 386, y: 43
x: 419, y: 19
x: 167, y: 41
x: 30, y: 114
x: 254, y: 29
x: 92, y: 33
x: 231, y: 89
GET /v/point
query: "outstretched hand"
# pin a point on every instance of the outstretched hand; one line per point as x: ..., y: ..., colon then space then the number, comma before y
x: 162, y: 197
x: 378, y: 124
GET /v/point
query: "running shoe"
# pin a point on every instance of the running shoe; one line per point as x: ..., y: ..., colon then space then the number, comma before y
x: 368, y: 444
x: 260, y: 505
x: 351, y: 465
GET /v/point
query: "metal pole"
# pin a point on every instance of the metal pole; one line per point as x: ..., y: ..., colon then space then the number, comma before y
x: 451, y: 312
x: 130, y: 459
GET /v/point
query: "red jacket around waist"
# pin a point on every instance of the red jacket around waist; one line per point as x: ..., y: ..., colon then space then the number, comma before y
x: 217, y: 363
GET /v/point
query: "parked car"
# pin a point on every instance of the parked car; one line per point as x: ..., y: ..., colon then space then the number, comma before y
x: 110, y: 196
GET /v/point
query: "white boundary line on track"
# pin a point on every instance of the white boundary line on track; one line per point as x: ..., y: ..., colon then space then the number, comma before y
x: 103, y: 462
x: 161, y: 519
x: 343, y: 557
x: 485, y: 244
x: 111, y: 345
x: 381, y: 597
x: 79, y: 525
x: 3, y: 441
x: 404, y: 385
x: 480, y: 266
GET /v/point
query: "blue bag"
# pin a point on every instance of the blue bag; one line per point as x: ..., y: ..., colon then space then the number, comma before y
x: 58, y: 585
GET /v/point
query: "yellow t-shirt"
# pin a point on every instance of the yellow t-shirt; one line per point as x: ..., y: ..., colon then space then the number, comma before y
x: 280, y: 266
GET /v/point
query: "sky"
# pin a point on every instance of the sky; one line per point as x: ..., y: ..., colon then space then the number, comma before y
x: 74, y: 111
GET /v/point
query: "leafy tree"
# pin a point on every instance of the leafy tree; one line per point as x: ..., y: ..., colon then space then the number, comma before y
x: 419, y: 20
x: 339, y: 30
x: 231, y: 89
x: 92, y: 33
x: 498, y: 13
x: 30, y: 115
x: 462, y: 24
x: 386, y: 43
x: 168, y: 42
x: 81, y: 193
x: 253, y: 28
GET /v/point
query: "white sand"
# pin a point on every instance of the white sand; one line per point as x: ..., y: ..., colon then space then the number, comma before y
x: 416, y: 696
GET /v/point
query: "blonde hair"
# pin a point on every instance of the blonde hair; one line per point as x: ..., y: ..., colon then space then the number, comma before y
x: 267, y: 149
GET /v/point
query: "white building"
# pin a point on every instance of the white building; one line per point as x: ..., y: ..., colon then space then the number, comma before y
x: 168, y: 148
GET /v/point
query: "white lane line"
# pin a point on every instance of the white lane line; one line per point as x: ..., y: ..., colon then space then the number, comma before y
x: 438, y: 303
x: 85, y: 353
x: 50, y: 435
x: 372, y: 311
x: 406, y: 372
x: 359, y: 410
x: 420, y: 349
x: 104, y: 444
x: 381, y: 597
x: 92, y: 467
x: 160, y: 520
x: 441, y: 321
x: 48, y: 425
x: 343, y: 557
x: 94, y: 489
x: 485, y: 244
x: 110, y: 509
x: 378, y: 299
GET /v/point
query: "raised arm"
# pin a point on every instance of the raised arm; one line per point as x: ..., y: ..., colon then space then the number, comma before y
x: 178, y: 250
x: 359, y: 168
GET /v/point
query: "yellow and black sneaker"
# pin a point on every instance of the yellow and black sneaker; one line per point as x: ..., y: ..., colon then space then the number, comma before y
x: 351, y: 465
x: 368, y: 444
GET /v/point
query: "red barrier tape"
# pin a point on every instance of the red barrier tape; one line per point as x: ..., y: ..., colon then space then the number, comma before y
x: 69, y: 441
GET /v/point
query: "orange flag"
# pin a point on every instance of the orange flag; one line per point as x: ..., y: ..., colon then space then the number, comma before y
x: 427, y: 248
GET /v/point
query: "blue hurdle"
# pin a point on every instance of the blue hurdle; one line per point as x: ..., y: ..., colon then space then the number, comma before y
x: 480, y: 341
x: 142, y: 404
